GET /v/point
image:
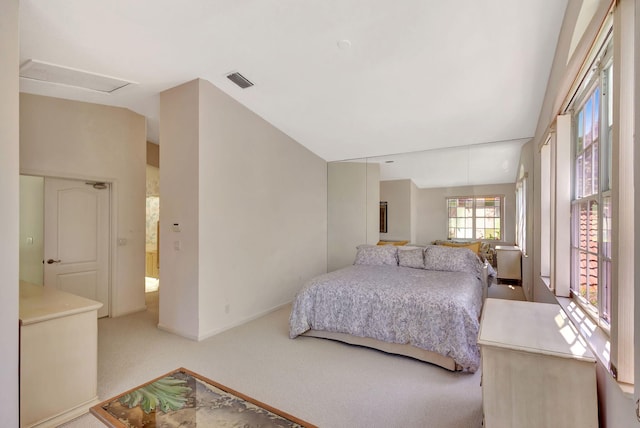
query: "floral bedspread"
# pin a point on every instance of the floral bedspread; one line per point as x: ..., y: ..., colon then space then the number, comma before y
x: 434, y: 310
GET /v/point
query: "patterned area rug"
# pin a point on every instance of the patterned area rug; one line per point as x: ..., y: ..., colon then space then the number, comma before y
x: 185, y: 399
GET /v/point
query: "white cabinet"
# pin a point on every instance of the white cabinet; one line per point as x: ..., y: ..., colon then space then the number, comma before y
x: 509, y: 261
x: 536, y: 370
x: 58, y: 355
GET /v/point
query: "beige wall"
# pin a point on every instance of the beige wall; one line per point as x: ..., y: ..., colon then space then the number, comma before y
x: 153, y: 181
x: 179, y: 181
x: 398, y: 195
x: 352, y: 210
x: 9, y: 188
x: 70, y: 139
x: 31, y: 229
x: 153, y: 154
x: 251, y: 203
x: 526, y: 165
x: 432, y: 210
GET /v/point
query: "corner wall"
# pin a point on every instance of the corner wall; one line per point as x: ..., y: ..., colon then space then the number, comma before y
x: 252, y: 204
x: 9, y: 223
x: 71, y: 139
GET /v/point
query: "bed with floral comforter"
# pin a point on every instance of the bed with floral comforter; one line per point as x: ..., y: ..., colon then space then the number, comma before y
x: 430, y: 300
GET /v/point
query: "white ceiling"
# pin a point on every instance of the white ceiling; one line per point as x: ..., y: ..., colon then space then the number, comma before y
x: 418, y: 74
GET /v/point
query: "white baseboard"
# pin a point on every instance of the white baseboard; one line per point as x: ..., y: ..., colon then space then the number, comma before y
x: 63, y: 417
x: 177, y: 332
x: 242, y: 321
x: 132, y: 311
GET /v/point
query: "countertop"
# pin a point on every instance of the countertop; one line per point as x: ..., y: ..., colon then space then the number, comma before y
x: 38, y: 303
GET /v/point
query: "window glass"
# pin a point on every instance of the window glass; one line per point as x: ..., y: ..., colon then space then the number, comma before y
x: 591, y: 213
x: 474, y: 217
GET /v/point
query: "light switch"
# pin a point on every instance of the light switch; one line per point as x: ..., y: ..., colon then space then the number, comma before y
x: 176, y: 245
x: 175, y: 227
x: 29, y: 240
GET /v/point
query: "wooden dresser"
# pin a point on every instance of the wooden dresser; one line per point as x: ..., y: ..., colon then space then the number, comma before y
x: 58, y: 355
x: 536, y: 369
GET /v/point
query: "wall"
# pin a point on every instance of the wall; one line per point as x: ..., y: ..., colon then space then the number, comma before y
x: 251, y: 203
x: 352, y: 210
x: 398, y: 195
x: 31, y: 229
x: 526, y: 165
x: 179, y: 181
x: 432, y: 210
x: 9, y: 223
x: 71, y: 139
x: 153, y: 154
x: 153, y: 199
x: 636, y: 172
x: 153, y: 180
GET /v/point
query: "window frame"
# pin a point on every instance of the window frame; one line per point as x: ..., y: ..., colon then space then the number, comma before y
x: 521, y: 213
x: 473, y: 217
x: 597, y: 80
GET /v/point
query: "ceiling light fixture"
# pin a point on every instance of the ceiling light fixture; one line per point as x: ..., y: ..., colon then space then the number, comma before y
x: 239, y: 80
x: 52, y: 73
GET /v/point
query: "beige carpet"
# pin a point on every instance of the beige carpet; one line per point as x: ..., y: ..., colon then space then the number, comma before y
x: 327, y: 383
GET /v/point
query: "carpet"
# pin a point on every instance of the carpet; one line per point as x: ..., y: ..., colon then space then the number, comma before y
x: 183, y: 398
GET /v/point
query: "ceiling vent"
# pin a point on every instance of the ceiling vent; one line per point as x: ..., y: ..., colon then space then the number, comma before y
x: 51, y: 73
x: 239, y: 80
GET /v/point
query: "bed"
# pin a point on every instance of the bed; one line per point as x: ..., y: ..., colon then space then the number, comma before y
x: 424, y: 303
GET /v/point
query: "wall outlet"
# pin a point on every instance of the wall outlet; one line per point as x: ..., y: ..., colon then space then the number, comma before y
x: 227, y: 308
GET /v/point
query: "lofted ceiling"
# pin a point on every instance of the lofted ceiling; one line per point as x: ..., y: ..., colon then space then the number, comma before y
x: 346, y: 79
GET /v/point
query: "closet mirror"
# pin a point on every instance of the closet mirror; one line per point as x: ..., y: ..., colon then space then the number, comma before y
x: 415, y: 187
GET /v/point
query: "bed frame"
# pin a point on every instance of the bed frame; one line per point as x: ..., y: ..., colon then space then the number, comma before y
x: 396, y: 348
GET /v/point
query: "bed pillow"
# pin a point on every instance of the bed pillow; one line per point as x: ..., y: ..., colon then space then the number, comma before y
x: 473, y: 246
x: 413, y: 258
x: 452, y: 259
x: 377, y: 255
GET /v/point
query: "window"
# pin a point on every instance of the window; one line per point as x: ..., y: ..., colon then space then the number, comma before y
x: 521, y: 214
x: 591, y: 255
x: 473, y: 217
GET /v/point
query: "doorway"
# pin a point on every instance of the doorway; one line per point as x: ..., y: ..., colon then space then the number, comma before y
x: 152, y: 259
x: 65, y: 236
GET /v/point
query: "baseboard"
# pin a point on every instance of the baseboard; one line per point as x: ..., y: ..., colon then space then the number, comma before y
x: 129, y: 312
x: 217, y: 331
x: 242, y: 321
x: 70, y: 414
x: 177, y: 332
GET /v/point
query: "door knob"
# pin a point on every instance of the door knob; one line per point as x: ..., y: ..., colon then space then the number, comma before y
x: 51, y: 261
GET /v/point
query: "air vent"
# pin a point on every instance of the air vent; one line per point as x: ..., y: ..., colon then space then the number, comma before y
x: 51, y: 73
x: 239, y: 80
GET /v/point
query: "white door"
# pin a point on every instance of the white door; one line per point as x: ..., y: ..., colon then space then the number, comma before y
x: 76, y: 239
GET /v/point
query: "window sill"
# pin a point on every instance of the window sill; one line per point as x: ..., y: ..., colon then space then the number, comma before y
x: 595, y: 336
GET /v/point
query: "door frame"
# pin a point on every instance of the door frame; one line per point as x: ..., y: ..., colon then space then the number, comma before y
x: 113, y: 222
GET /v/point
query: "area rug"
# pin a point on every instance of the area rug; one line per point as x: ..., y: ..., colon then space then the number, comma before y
x: 183, y: 398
